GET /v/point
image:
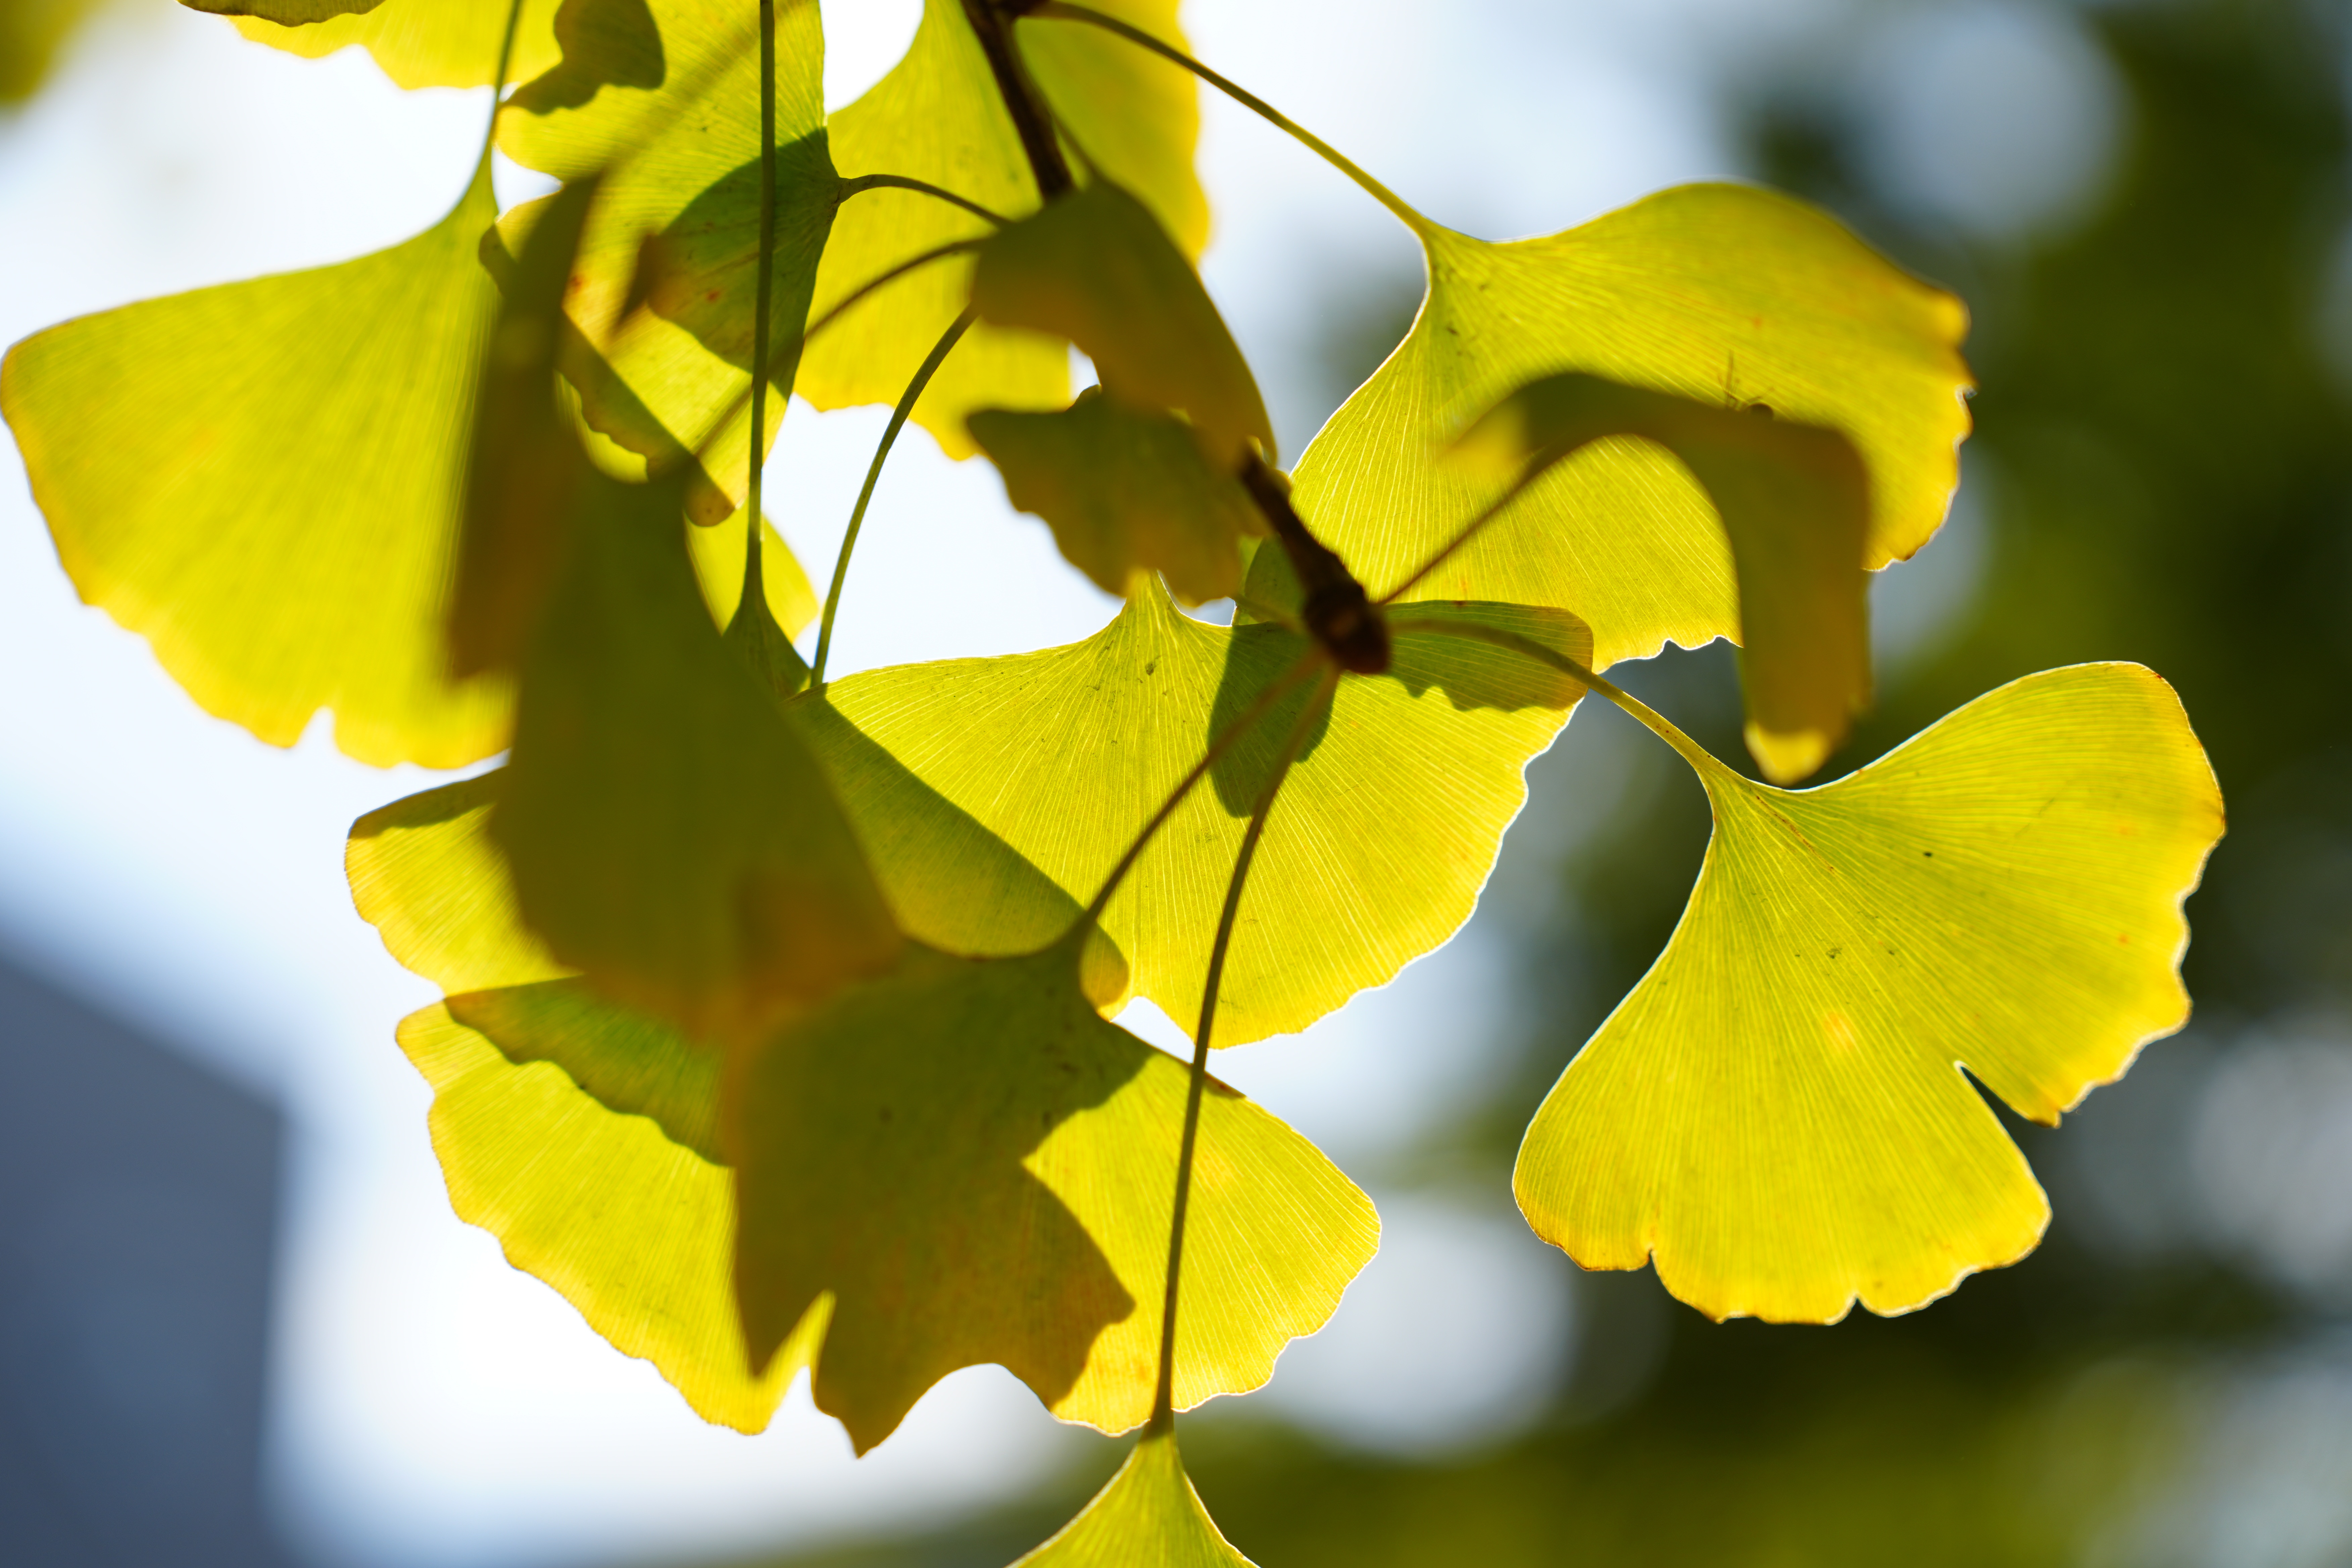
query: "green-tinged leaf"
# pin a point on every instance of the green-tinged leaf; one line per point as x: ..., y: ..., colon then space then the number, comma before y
x: 717, y: 555
x: 1124, y: 490
x: 1389, y: 824
x: 419, y: 43
x: 30, y: 37
x: 668, y: 832
x: 1148, y: 1517
x: 937, y: 117
x: 523, y: 459
x: 263, y: 479
x: 1097, y: 269
x: 766, y: 648
x: 977, y: 1167
x: 1795, y: 505
x: 1715, y: 293
x: 1778, y: 1115
x: 427, y: 874
x: 580, y: 1135
x: 664, y: 288
x: 285, y: 13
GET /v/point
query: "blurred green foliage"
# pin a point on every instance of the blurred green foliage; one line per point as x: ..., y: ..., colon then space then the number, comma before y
x: 31, y: 33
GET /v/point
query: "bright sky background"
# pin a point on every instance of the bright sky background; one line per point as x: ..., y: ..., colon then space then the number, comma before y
x: 430, y: 1405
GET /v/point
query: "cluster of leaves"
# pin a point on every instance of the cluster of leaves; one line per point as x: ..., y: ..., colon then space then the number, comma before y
x: 774, y: 1034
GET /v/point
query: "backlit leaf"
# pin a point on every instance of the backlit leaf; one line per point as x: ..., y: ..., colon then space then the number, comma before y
x: 1795, y: 504
x: 1097, y: 268
x: 1778, y: 1115
x: 978, y: 1168
x: 633, y: 1225
x: 1148, y: 1517
x: 427, y: 874
x: 670, y: 833
x: 1124, y: 490
x: 1715, y: 293
x: 664, y: 287
x: 937, y: 117
x: 717, y: 555
x: 419, y: 43
x: 1390, y: 819
x: 264, y: 480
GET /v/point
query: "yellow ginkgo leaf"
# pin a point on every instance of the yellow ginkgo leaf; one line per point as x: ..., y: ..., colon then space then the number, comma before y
x: 1097, y: 269
x: 593, y: 1189
x: 718, y: 554
x: 1778, y: 1113
x: 663, y: 286
x: 1124, y: 490
x: 977, y: 1167
x: 1719, y: 293
x: 426, y: 873
x: 264, y: 480
x: 1795, y: 505
x: 419, y: 43
x: 1148, y: 1517
x: 937, y: 117
x: 667, y: 830
x: 1390, y: 819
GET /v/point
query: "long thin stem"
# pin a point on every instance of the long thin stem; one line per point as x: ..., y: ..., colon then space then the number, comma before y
x: 864, y: 183
x: 726, y: 418
x: 1163, y: 1404
x: 906, y: 399
x: 1058, y: 10
x: 762, y: 299
x: 1698, y: 756
x: 1031, y: 122
x: 498, y: 81
x: 1225, y: 740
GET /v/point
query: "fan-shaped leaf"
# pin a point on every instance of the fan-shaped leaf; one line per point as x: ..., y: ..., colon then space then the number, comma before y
x: 606, y: 1202
x: 1124, y: 490
x: 1713, y: 292
x: 1777, y: 1114
x: 264, y: 480
x: 937, y: 117
x: 1390, y: 821
x: 1795, y: 504
x: 978, y: 1168
x: 1097, y: 268
x: 419, y: 43
x: 1148, y: 1517
x: 664, y: 287
x: 668, y: 832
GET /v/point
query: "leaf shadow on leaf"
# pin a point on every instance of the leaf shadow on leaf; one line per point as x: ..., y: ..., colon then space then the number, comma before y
x: 699, y: 270
x: 605, y: 43
x: 630, y: 1063
x: 951, y: 883
x: 888, y: 1137
x: 1471, y: 675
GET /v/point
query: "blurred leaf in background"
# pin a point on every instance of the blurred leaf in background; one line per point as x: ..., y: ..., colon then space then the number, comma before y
x: 31, y: 33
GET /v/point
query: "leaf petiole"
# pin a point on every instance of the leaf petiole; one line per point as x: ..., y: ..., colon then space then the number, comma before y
x: 1163, y: 1405
x: 907, y: 400
x: 1058, y: 10
x: 754, y: 588
x: 864, y: 183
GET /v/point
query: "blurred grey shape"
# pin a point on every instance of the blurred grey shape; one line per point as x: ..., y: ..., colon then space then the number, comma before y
x: 138, y: 1201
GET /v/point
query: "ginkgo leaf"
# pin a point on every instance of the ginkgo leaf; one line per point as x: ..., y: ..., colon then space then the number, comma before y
x: 668, y: 832
x: 419, y: 43
x: 264, y: 480
x: 1389, y: 820
x: 977, y: 1167
x: 1794, y: 503
x: 1124, y: 490
x: 1097, y: 268
x: 631, y: 1224
x: 427, y: 874
x: 937, y: 117
x: 1715, y: 293
x: 1777, y: 1114
x: 718, y: 554
x: 664, y: 287
x: 1149, y: 1516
